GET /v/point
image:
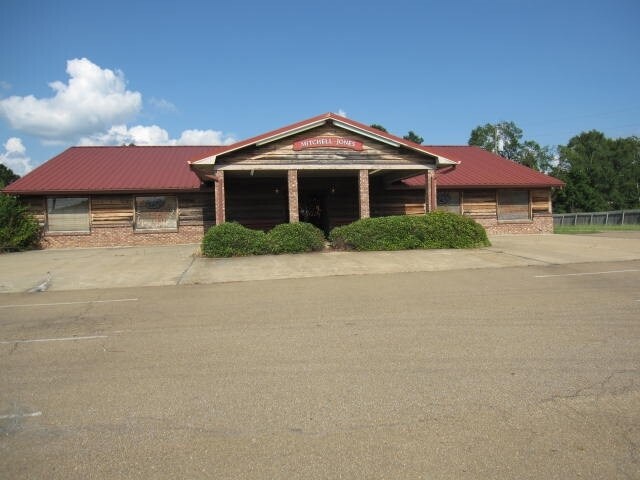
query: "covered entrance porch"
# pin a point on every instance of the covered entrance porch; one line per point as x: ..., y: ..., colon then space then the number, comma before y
x: 325, y: 198
x: 327, y: 170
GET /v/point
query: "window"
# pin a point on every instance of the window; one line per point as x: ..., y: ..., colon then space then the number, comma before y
x: 513, y: 205
x: 68, y: 214
x: 449, y: 201
x: 156, y: 213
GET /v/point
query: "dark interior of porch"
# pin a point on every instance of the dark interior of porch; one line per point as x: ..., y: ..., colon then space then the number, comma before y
x: 327, y: 199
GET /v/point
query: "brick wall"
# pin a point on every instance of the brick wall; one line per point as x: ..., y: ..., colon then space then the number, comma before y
x: 124, y: 236
x: 541, y: 223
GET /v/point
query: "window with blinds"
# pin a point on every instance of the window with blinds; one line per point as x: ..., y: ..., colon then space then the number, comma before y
x: 68, y: 214
x: 156, y: 213
x: 513, y: 205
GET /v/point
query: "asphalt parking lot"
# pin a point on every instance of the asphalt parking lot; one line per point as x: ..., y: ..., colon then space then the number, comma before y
x: 497, y: 371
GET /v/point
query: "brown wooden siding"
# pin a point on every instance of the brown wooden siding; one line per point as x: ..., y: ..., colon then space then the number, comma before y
x: 386, y: 202
x: 196, y: 209
x: 541, y: 201
x: 37, y: 208
x: 282, y: 153
x: 111, y: 210
x: 117, y: 210
x: 479, y: 202
x: 255, y: 203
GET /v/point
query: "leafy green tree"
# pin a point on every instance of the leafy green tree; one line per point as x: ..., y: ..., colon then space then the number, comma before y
x: 534, y: 156
x: 600, y: 173
x: 505, y: 139
x: 502, y: 138
x: 413, y: 137
x: 629, y: 156
x: 7, y: 176
x: 19, y: 230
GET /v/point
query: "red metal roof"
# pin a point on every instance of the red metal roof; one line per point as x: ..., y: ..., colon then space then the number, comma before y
x: 85, y: 169
x: 122, y: 169
x: 478, y: 168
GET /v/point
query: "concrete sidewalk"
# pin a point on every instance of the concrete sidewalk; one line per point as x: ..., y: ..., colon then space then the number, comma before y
x: 73, y: 269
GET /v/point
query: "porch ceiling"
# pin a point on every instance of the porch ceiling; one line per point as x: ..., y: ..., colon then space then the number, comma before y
x: 387, y: 175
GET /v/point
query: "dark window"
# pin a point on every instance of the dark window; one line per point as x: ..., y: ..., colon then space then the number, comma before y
x: 68, y: 214
x: 449, y: 200
x: 513, y: 205
x: 156, y: 213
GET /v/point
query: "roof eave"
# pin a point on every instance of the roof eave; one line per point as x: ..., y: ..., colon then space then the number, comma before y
x: 497, y: 185
x: 340, y: 122
x: 211, y: 160
x: 85, y: 191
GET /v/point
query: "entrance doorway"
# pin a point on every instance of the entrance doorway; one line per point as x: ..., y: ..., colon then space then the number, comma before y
x: 313, y: 209
x: 327, y: 201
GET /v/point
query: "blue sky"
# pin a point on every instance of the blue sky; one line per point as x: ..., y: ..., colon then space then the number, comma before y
x: 209, y: 71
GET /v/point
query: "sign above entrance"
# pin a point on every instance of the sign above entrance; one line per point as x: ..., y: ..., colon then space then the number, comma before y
x: 328, y: 142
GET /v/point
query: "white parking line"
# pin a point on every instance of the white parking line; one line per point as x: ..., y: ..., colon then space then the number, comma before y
x: 20, y: 415
x: 64, y: 339
x: 587, y: 273
x: 69, y: 303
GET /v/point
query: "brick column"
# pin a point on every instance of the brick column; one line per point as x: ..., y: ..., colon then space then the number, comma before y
x: 434, y: 190
x: 292, y: 188
x: 363, y: 188
x: 428, y: 191
x: 219, y: 197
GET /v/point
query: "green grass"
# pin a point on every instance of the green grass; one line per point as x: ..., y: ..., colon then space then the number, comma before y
x: 576, y: 229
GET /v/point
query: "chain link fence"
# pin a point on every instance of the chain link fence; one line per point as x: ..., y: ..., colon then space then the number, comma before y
x: 616, y: 217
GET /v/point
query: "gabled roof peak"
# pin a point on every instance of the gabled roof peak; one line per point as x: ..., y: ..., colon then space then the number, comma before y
x: 313, y: 122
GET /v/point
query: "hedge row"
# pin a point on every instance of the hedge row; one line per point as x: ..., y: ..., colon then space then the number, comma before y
x: 232, y: 239
x: 404, y: 232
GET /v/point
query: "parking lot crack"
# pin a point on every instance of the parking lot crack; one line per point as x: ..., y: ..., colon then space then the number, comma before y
x: 523, y: 257
x: 612, y: 384
x: 186, y: 270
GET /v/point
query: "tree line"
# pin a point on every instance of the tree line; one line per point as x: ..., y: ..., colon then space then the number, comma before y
x: 600, y: 173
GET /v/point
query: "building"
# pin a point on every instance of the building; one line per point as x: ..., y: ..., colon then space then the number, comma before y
x: 328, y: 170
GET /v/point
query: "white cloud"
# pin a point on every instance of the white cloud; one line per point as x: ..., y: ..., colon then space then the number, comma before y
x: 120, y: 135
x: 341, y: 112
x: 5, y: 85
x: 15, y: 156
x: 92, y: 109
x: 162, y: 104
x: 204, y: 137
x: 92, y: 101
x: 155, y: 135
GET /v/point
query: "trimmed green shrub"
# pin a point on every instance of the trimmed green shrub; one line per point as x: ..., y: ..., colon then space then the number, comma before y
x: 295, y: 238
x: 405, y: 232
x: 19, y: 230
x: 233, y: 240
x: 380, y: 233
x: 450, y: 230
